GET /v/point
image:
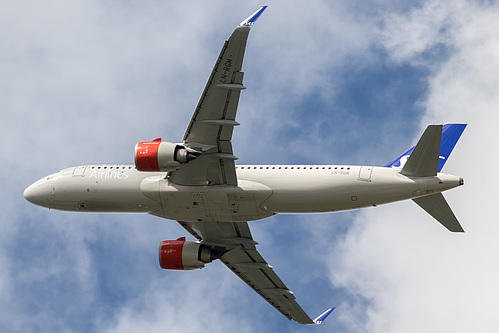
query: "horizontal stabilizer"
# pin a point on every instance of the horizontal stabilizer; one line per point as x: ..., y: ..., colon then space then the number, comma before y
x: 423, y: 161
x: 437, y: 206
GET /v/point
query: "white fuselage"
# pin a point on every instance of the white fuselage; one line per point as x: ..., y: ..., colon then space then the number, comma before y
x: 262, y: 191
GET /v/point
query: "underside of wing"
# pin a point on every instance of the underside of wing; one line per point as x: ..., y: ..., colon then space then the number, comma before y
x: 210, y: 130
x: 245, y: 261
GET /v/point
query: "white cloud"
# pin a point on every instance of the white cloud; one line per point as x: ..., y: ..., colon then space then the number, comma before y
x: 189, y: 305
x: 407, y: 36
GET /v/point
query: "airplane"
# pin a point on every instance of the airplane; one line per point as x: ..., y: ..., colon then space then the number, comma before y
x: 197, y: 183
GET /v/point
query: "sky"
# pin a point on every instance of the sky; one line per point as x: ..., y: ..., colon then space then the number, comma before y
x: 343, y: 82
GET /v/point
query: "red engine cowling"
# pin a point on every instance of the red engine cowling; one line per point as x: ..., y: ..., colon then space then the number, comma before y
x: 185, y: 255
x: 161, y: 156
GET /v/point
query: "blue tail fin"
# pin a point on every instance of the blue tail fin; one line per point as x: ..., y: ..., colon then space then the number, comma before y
x: 450, y: 135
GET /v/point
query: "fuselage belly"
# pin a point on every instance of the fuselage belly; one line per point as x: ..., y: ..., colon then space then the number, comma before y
x: 262, y: 191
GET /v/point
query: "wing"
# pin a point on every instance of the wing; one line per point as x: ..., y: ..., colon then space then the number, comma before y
x: 210, y: 130
x: 209, y: 136
x: 243, y: 259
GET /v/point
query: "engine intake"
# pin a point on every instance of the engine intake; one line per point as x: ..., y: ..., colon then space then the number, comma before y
x: 161, y: 156
x: 185, y: 255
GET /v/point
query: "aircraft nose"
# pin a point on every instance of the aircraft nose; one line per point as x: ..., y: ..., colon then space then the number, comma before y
x: 30, y: 194
x: 39, y: 194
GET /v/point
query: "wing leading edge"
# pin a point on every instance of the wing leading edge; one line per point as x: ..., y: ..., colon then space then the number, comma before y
x: 246, y: 262
x: 210, y: 129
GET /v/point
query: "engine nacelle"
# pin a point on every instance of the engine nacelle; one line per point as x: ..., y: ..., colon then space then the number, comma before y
x: 185, y: 255
x: 161, y: 156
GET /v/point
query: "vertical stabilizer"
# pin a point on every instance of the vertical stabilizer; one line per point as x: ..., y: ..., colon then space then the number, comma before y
x: 437, y: 206
x: 450, y: 135
x: 423, y: 161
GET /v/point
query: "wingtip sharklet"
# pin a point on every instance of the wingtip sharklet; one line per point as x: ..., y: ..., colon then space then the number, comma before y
x: 319, y: 320
x: 252, y: 19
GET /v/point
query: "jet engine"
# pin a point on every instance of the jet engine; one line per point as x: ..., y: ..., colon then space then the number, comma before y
x: 161, y: 156
x: 185, y: 255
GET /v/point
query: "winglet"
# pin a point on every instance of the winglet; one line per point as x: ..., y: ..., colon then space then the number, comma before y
x: 252, y: 19
x: 323, y: 316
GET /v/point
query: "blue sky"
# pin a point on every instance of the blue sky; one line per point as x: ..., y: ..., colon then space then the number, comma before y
x: 328, y: 83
